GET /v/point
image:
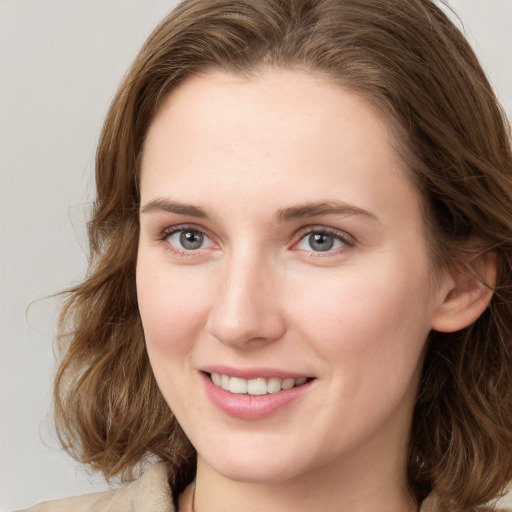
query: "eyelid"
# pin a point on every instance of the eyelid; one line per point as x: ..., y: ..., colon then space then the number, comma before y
x: 171, y: 230
x: 346, y: 238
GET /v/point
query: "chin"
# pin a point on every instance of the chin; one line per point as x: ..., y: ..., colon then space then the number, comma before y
x: 255, y: 473
x: 257, y: 464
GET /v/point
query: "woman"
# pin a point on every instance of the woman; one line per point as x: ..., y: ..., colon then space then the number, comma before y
x: 300, y: 247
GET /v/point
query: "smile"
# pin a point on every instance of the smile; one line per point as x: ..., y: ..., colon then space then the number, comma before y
x: 255, y: 387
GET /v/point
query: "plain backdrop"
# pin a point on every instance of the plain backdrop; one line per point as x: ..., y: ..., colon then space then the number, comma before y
x: 60, y: 63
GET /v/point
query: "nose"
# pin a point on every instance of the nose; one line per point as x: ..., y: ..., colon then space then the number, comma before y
x: 247, y: 310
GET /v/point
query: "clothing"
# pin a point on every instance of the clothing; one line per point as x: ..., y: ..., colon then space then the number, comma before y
x: 149, y: 493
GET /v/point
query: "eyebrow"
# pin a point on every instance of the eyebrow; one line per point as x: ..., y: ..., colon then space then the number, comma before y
x: 167, y: 206
x: 321, y: 208
x: 284, y: 215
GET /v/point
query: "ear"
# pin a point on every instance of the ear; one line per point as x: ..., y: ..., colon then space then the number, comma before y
x: 469, y: 292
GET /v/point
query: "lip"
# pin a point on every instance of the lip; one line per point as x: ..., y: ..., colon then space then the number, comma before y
x: 252, y: 373
x: 250, y: 407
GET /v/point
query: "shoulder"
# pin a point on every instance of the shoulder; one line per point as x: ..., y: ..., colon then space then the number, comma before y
x: 149, y: 493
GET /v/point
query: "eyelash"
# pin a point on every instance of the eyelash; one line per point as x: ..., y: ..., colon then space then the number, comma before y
x: 167, y: 233
x: 348, y: 241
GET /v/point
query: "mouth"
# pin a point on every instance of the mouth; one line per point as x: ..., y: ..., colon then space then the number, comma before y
x: 255, y: 387
x: 256, y: 393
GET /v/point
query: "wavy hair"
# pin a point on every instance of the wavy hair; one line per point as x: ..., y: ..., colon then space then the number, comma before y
x: 409, y: 60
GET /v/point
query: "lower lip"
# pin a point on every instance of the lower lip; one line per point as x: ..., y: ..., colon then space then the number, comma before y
x: 252, y: 407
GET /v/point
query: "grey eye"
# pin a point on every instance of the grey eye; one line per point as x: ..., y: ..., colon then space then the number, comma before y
x: 321, y: 241
x: 191, y: 239
x: 188, y: 239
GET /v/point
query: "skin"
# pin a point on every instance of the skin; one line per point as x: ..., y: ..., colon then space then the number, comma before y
x: 255, y: 294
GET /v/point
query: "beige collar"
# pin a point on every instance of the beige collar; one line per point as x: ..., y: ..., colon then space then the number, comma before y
x: 149, y: 493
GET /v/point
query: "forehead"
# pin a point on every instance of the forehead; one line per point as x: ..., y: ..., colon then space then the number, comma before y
x: 287, y: 131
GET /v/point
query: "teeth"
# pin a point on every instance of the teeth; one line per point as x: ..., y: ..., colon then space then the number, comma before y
x: 274, y: 385
x: 237, y: 385
x: 288, y: 383
x: 224, y: 382
x: 255, y: 386
x: 216, y: 379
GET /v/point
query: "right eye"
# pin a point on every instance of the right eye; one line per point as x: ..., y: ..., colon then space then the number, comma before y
x: 188, y: 239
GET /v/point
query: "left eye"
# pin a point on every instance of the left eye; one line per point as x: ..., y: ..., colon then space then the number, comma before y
x: 189, y: 239
x: 319, y: 241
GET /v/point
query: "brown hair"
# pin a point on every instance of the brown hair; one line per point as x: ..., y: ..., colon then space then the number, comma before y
x: 414, y: 64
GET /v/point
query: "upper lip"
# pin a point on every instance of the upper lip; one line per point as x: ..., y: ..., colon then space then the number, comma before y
x: 252, y: 373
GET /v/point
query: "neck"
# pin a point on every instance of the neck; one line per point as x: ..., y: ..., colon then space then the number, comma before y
x: 355, y: 484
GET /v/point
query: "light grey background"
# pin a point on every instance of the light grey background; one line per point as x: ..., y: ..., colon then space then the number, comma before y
x: 60, y: 63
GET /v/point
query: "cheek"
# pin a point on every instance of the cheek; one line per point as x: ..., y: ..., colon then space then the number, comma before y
x: 375, y: 321
x: 172, y: 309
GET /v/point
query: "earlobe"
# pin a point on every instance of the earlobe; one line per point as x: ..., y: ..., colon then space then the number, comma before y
x: 469, y: 296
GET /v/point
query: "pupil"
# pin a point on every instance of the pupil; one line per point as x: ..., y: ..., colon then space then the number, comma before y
x: 191, y: 239
x: 321, y: 241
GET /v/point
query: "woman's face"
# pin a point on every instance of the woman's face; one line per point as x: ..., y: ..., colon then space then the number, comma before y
x: 282, y: 245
